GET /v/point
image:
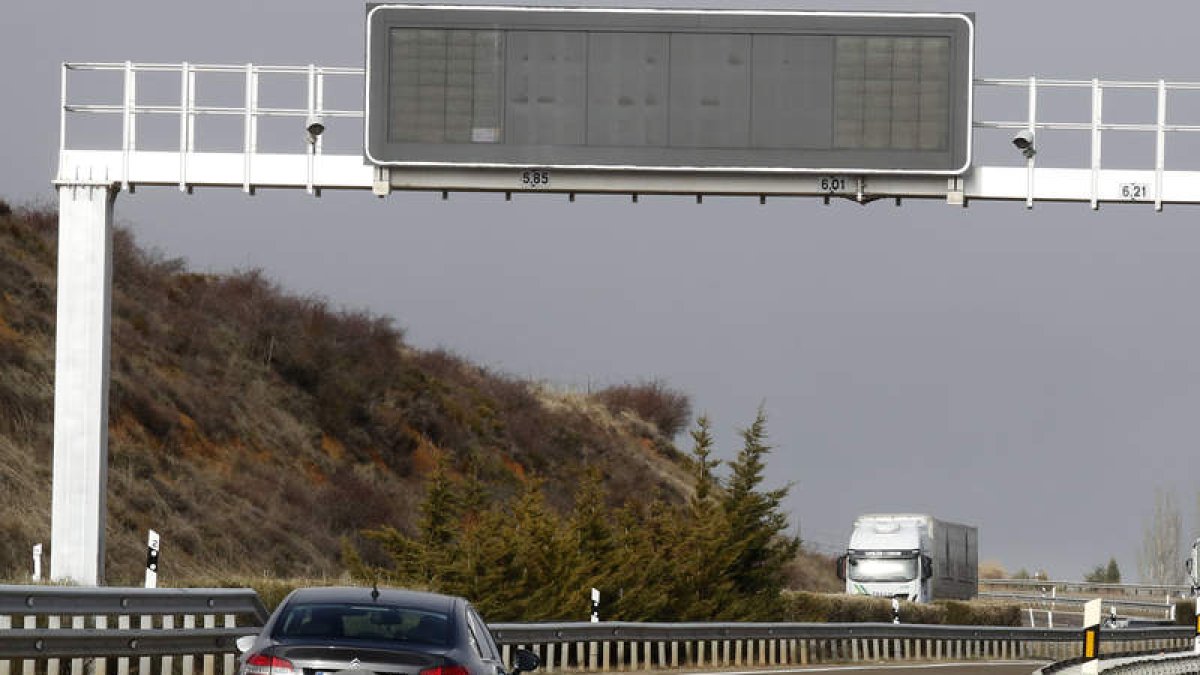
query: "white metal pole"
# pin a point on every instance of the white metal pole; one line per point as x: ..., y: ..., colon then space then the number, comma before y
x: 249, y: 122
x: 1029, y: 161
x: 1160, y: 145
x: 81, y: 379
x: 1097, y: 114
x: 127, y: 127
x: 62, y: 111
x: 184, y: 124
x: 312, y: 142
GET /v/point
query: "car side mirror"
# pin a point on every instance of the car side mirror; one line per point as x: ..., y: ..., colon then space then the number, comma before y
x: 245, y: 642
x: 841, y: 567
x: 926, y: 568
x: 525, y: 661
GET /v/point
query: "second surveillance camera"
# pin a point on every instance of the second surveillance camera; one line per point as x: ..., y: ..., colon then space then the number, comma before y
x: 1024, y: 142
x: 314, y: 125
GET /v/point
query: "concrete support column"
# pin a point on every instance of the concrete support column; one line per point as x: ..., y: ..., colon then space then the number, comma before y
x: 81, y: 377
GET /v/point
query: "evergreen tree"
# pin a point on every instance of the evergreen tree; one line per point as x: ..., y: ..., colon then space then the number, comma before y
x: 720, y: 555
x: 757, y: 530
x: 1104, y: 574
x: 702, y: 448
x: 641, y: 587
x: 702, y: 586
x: 590, y: 541
x: 1112, y: 572
x: 438, y: 527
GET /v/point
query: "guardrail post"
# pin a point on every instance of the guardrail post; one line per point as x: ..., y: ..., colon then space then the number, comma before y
x: 230, y: 664
x: 27, y: 666
x: 101, y: 665
x: 168, y: 662
x: 210, y: 661
x: 5, y: 665
x: 123, y: 663
x: 145, y: 623
x: 77, y: 623
x: 52, y: 664
x: 188, y: 662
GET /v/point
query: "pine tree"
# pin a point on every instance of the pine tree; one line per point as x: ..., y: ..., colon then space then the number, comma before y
x: 1112, y: 574
x: 703, y: 560
x: 438, y: 528
x: 757, y: 530
x: 645, y: 565
x: 590, y: 543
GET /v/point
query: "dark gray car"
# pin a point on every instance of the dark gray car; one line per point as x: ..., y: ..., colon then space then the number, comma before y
x: 322, y: 631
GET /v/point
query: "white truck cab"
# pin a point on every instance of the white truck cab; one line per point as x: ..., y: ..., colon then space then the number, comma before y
x: 910, y: 557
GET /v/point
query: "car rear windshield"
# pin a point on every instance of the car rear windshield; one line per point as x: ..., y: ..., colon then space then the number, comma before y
x: 364, y: 622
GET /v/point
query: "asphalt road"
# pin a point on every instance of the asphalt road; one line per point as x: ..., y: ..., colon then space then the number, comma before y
x: 984, y: 668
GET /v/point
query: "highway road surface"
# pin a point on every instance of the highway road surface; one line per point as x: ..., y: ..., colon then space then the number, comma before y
x: 965, y: 668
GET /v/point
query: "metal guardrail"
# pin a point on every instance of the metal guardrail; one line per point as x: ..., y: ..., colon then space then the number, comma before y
x: 1088, y: 588
x: 43, y: 625
x: 1120, y: 603
x: 634, y: 646
x: 51, y: 600
x: 49, y: 630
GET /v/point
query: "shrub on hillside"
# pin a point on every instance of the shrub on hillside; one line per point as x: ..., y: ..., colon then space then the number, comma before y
x: 960, y: 613
x: 668, y: 409
x: 837, y: 608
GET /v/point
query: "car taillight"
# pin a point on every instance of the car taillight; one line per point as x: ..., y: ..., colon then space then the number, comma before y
x: 448, y: 669
x: 264, y: 664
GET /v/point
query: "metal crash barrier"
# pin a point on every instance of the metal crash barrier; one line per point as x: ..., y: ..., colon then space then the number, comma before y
x: 48, y: 630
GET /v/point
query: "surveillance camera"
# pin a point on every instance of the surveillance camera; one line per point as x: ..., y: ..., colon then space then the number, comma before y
x: 1024, y: 142
x: 315, y: 126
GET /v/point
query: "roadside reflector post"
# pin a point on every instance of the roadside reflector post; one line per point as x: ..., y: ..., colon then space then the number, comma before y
x: 152, y: 546
x: 1091, y: 637
x: 37, y: 563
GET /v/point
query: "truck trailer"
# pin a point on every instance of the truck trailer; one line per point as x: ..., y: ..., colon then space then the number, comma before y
x: 911, y: 557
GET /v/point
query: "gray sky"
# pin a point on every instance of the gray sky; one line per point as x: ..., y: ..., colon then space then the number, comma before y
x: 1035, y: 373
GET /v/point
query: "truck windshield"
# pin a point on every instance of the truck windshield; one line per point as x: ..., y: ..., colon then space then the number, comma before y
x: 863, y: 568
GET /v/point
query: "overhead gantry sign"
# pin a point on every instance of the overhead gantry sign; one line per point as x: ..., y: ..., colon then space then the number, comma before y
x: 832, y: 105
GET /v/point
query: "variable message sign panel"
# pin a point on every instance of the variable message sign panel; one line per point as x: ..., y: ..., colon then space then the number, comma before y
x: 669, y: 90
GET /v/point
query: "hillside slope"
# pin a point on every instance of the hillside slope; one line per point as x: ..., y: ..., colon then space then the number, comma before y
x: 257, y: 430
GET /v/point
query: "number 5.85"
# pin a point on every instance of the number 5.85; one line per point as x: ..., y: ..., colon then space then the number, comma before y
x: 535, y: 178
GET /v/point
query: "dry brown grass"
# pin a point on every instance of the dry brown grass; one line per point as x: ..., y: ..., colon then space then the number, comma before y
x: 257, y: 430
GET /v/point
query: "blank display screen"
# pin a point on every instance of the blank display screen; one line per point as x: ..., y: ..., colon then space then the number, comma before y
x: 796, y: 91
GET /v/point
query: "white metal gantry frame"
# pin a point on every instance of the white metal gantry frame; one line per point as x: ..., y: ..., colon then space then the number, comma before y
x: 88, y: 181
